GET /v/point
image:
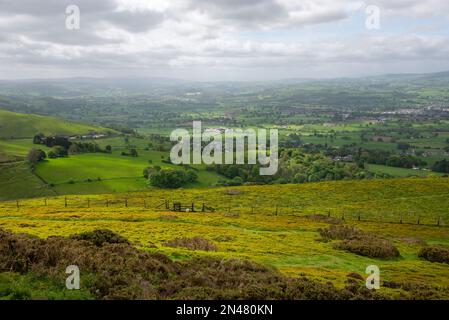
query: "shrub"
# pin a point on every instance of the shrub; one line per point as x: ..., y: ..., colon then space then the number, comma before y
x: 373, y: 247
x: 35, y: 156
x: 435, y: 254
x: 100, y: 237
x: 196, y: 243
x: 360, y: 242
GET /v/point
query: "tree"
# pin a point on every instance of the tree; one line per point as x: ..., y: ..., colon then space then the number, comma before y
x: 39, y: 138
x: 74, y: 149
x: 169, y: 178
x: 133, y: 152
x: 36, y: 155
x: 403, y: 146
x: 108, y: 149
x: 52, y: 155
x: 58, y: 151
x: 57, y: 141
x: 441, y: 166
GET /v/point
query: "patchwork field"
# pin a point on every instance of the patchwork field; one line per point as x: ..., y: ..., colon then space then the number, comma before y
x: 88, y: 173
x: 273, y: 225
x: 107, y: 173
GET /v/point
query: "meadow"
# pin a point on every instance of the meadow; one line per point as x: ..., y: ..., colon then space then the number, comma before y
x: 87, y: 173
x: 272, y: 225
x: 106, y: 173
x: 18, y: 125
x: 401, y: 172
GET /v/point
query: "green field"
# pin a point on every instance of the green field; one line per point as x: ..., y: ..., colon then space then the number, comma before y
x: 103, y: 173
x: 401, y: 172
x: 18, y: 181
x: 17, y: 125
x: 86, y: 173
x: 19, y: 147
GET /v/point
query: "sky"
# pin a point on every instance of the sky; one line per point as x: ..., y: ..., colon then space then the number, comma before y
x: 222, y: 40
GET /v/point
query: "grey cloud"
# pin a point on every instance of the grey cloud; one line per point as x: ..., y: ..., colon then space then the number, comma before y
x: 33, y: 37
x: 135, y: 21
x: 45, y: 20
x: 248, y: 12
x: 54, y: 7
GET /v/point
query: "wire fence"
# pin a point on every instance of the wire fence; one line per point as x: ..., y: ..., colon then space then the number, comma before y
x: 233, y: 209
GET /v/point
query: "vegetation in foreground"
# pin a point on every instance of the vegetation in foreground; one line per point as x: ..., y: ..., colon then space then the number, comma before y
x: 117, y: 270
x: 247, y: 226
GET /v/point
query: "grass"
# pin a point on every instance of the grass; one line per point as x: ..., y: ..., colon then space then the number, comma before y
x: 401, y: 172
x: 19, y: 147
x: 288, y: 240
x: 15, y: 286
x: 117, y: 173
x: 70, y: 175
x: 17, y: 125
x: 17, y: 181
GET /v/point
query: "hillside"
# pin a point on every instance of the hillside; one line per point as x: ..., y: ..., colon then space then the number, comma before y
x: 18, y: 125
x: 274, y: 225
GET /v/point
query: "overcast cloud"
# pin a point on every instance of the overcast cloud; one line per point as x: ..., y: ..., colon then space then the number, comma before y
x: 222, y: 40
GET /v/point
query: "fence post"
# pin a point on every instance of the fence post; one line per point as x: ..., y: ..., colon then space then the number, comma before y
x: 276, y: 209
x: 65, y: 202
x: 329, y: 213
x: 401, y: 219
x: 202, y: 208
x: 193, y: 207
x: 17, y: 204
x: 343, y: 216
x: 167, y: 205
x: 359, y: 216
x: 45, y: 201
x: 419, y: 218
x: 107, y: 203
x: 126, y: 202
x: 438, y: 222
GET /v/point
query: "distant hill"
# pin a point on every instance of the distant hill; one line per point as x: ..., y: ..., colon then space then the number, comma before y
x: 19, y: 125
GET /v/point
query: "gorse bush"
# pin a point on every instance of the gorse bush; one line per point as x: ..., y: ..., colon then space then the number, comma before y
x: 373, y: 247
x: 100, y: 237
x: 360, y: 242
x: 435, y: 254
x: 120, y: 271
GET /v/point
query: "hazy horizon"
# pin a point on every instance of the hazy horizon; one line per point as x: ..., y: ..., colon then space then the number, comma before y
x: 218, y: 81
